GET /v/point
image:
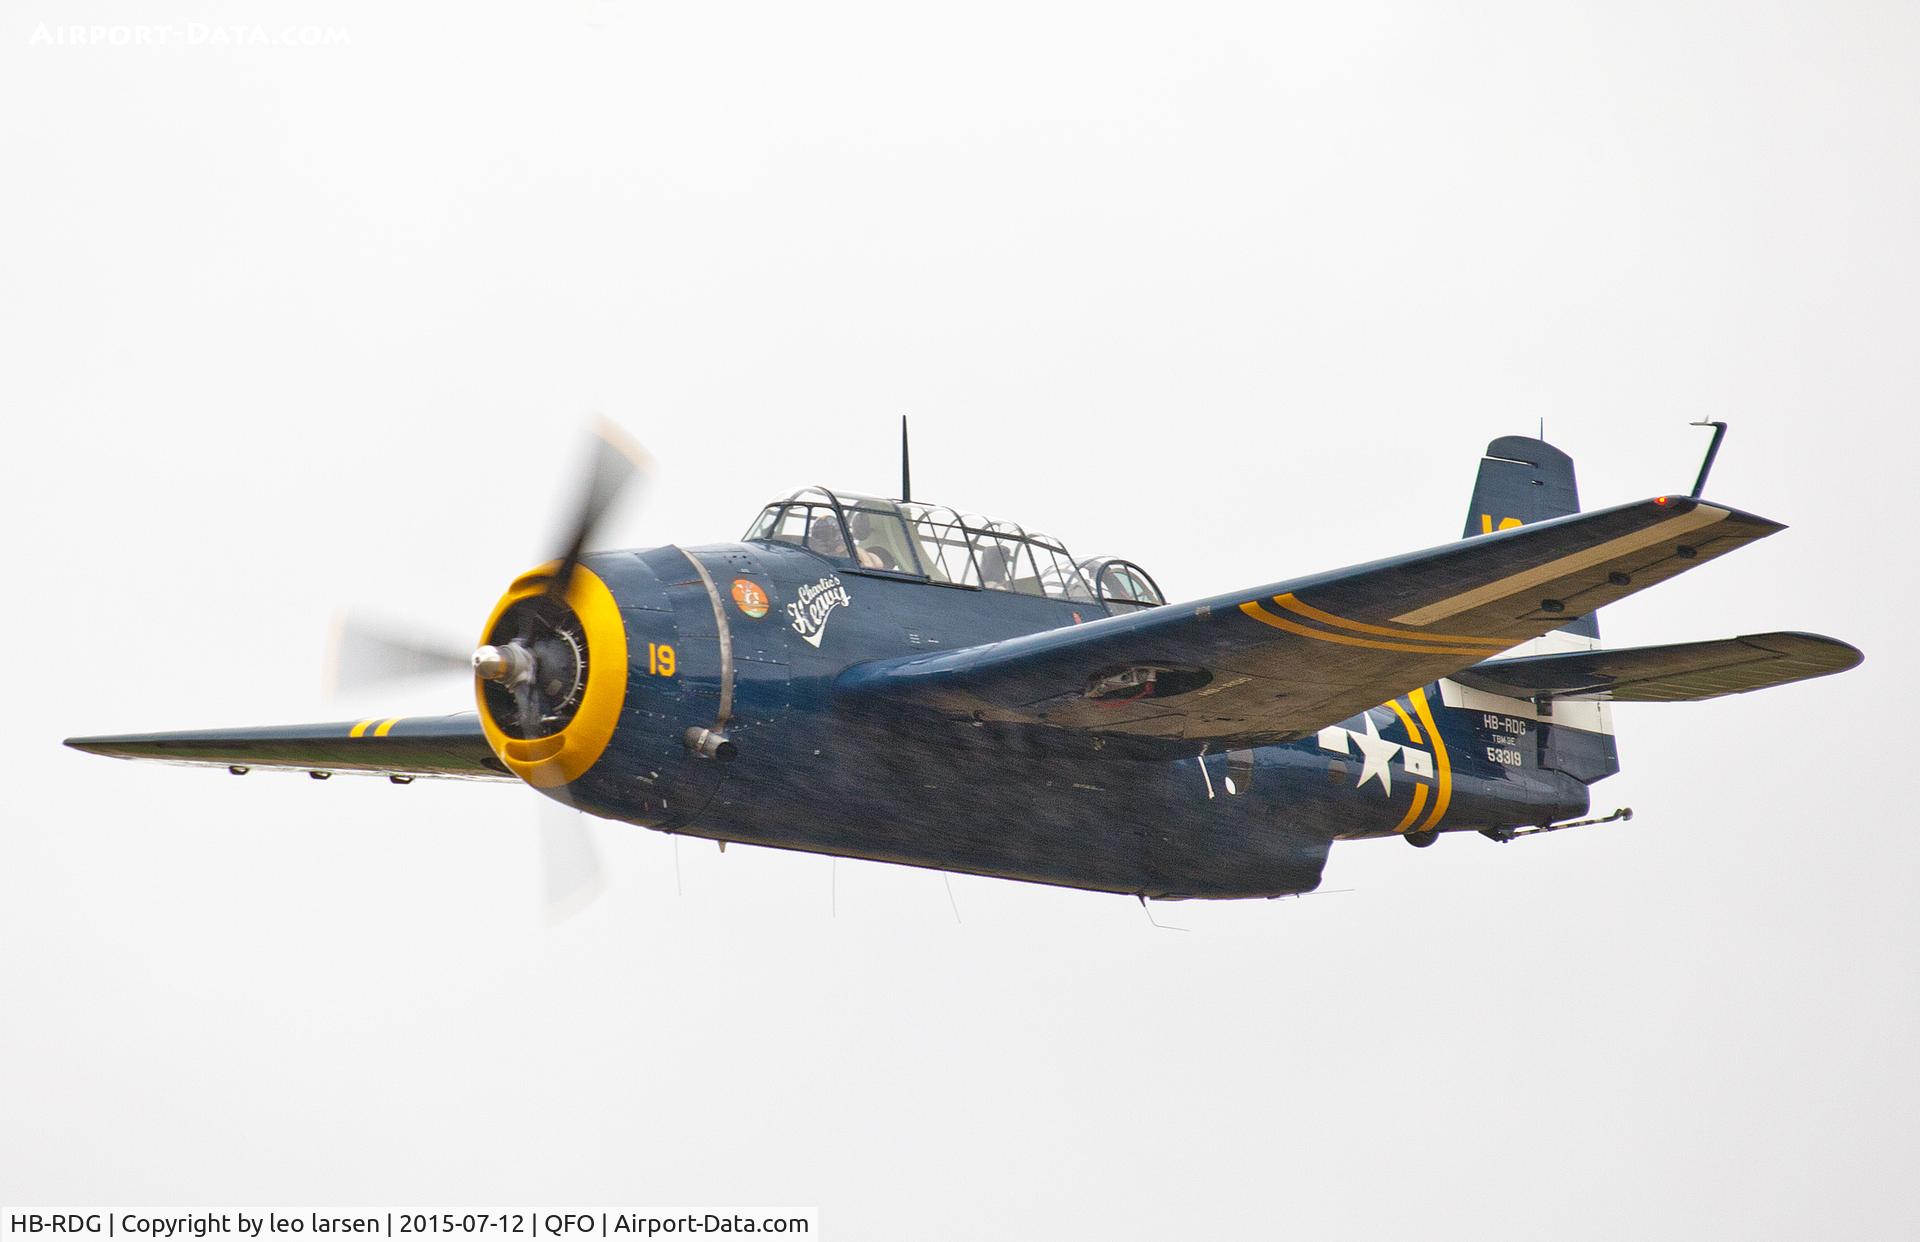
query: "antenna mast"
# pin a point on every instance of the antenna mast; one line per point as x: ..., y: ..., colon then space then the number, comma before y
x: 1713, y: 450
x: 906, y: 468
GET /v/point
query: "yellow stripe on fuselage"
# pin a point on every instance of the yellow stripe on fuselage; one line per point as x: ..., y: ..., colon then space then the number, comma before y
x: 1443, y: 777
x: 1413, y: 730
x: 1413, y: 808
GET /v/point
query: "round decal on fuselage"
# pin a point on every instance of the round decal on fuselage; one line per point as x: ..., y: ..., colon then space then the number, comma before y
x: 750, y: 598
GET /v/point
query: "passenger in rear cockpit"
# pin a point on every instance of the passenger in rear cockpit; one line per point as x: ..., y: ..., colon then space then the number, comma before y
x: 872, y: 555
x: 993, y: 569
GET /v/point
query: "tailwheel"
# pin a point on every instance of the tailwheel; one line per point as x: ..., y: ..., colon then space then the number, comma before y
x: 1421, y: 840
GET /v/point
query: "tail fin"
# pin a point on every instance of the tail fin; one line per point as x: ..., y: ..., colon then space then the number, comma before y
x: 1522, y: 481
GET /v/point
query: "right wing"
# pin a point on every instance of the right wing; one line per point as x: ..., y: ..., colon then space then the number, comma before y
x: 1677, y: 672
x: 1282, y: 661
x: 402, y: 747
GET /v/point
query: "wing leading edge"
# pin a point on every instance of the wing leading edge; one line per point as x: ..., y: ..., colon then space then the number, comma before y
x: 403, y: 747
x: 1282, y: 661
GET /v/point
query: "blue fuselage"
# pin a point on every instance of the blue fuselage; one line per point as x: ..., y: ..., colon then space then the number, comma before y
x: 754, y: 648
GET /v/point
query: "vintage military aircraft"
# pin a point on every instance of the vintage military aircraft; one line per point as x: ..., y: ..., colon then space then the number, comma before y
x: 890, y: 680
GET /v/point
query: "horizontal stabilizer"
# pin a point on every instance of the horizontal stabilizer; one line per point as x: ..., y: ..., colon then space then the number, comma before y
x: 405, y: 746
x: 1679, y: 672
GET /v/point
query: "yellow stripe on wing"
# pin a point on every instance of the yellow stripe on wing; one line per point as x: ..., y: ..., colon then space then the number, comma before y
x: 1261, y: 615
x: 386, y: 726
x: 360, y: 729
x: 1293, y: 603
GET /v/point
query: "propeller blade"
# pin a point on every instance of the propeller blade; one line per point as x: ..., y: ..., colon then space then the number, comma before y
x: 570, y: 863
x: 529, y: 710
x: 616, y: 459
x: 361, y: 654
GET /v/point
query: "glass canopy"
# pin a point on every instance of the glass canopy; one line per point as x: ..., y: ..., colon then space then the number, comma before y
x: 924, y: 541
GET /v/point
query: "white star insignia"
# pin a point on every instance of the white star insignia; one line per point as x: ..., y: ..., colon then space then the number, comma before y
x: 1376, y: 753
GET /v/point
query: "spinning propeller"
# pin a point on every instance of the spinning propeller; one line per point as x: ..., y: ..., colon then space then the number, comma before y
x: 543, y: 668
x: 534, y: 680
x: 362, y: 654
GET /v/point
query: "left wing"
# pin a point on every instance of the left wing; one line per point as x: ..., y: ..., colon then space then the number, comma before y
x: 400, y: 747
x: 1282, y: 661
x: 1675, y: 673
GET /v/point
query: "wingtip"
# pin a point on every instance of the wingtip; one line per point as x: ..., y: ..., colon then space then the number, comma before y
x: 1686, y: 504
x: 1833, y: 655
x: 1845, y: 655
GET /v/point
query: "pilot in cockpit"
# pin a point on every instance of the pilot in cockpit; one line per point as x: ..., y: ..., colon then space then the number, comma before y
x: 824, y: 537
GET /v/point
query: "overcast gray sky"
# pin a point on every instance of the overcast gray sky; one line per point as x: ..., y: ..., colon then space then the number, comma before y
x: 1240, y: 291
